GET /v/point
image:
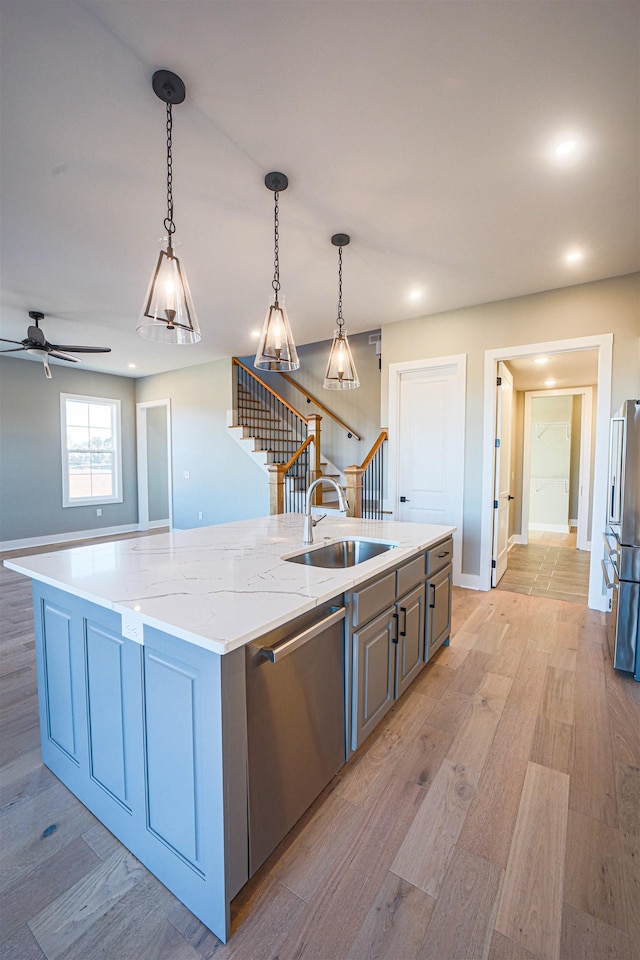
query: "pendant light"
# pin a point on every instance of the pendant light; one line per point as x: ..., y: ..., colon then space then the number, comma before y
x: 341, y: 373
x: 276, y: 351
x: 167, y: 314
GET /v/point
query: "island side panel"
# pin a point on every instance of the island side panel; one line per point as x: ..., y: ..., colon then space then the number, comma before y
x: 163, y: 781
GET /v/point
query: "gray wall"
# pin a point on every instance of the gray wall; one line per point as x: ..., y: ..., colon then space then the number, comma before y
x: 360, y: 408
x: 224, y: 484
x: 607, y: 306
x: 30, y: 450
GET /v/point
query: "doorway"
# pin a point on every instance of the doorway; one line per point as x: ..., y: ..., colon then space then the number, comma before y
x: 155, y: 501
x: 602, y: 348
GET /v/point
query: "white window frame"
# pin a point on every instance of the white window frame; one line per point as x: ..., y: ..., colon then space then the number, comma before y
x: 116, y: 427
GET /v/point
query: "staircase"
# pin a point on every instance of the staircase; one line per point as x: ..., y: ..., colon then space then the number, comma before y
x: 270, y: 433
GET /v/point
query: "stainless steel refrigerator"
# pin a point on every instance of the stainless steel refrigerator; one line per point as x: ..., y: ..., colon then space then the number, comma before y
x: 621, y: 565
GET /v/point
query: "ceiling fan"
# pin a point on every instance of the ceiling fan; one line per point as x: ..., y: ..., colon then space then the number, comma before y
x: 37, y: 345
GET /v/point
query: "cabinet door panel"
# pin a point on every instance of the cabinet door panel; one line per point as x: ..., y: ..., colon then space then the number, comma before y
x: 374, y: 653
x: 439, y: 592
x: 62, y: 678
x: 113, y: 679
x: 410, y: 653
x: 170, y: 692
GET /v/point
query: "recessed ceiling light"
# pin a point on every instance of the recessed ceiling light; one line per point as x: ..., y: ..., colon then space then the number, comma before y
x: 131, y: 366
x: 415, y: 294
x: 541, y: 360
x: 574, y: 256
x: 255, y: 334
x: 550, y: 383
x: 565, y: 148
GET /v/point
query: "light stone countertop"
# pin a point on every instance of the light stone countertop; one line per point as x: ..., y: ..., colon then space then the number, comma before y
x: 222, y: 586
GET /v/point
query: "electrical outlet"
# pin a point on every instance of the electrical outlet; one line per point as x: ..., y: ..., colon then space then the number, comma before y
x: 98, y: 512
x: 132, y: 628
x: 186, y: 475
x: 200, y: 515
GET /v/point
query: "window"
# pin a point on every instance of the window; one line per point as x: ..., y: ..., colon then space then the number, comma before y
x: 91, y: 450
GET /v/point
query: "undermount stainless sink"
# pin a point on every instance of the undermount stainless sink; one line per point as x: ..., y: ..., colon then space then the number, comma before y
x: 342, y: 553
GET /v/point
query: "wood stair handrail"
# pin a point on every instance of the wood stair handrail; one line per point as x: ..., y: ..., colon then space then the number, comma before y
x: 384, y: 435
x: 239, y: 363
x: 283, y: 467
x: 310, y: 397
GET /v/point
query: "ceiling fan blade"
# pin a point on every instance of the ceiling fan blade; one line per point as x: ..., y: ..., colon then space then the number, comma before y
x: 75, y: 349
x: 13, y: 349
x: 36, y: 335
x: 4, y: 340
x: 54, y: 352
x: 47, y: 368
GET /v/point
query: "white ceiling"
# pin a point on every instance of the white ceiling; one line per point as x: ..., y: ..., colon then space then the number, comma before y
x: 570, y: 369
x: 426, y: 130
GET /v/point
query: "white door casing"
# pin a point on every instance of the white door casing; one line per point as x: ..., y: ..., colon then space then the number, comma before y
x: 502, y: 483
x: 604, y: 345
x: 142, y: 461
x: 426, y: 444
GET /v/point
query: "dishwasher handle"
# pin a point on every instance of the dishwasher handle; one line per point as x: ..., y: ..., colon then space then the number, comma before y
x: 285, y: 647
x: 610, y: 584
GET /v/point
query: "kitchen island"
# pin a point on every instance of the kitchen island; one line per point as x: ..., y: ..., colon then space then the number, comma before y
x: 142, y: 679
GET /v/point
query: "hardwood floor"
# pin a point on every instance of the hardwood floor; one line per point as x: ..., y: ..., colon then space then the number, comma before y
x: 495, y: 813
x: 548, y: 566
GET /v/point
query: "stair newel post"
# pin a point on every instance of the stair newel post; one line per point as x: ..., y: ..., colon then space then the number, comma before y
x: 353, y: 476
x: 313, y: 430
x: 276, y: 488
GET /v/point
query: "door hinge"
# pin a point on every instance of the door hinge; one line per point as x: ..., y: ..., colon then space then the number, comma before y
x: 495, y: 504
x: 497, y: 441
x: 493, y: 564
x: 498, y: 381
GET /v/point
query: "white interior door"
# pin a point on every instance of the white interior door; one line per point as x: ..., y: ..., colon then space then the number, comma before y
x: 427, y: 409
x: 502, y: 489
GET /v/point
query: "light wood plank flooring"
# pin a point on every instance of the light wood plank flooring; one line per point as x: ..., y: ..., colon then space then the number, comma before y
x: 548, y: 566
x: 495, y: 813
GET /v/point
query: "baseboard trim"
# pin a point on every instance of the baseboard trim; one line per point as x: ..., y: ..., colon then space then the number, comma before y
x: 550, y: 527
x: 469, y: 581
x: 517, y: 538
x: 53, y: 538
x: 154, y: 524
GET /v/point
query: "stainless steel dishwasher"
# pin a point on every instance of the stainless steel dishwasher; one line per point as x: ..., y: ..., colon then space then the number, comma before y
x: 295, y: 722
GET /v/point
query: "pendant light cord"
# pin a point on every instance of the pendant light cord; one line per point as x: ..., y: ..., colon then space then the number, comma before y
x: 340, y: 320
x: 276, y: 238
x: 169, y: 225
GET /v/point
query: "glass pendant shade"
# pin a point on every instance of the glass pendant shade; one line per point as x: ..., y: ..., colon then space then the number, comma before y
x: 276, y: 351
x: 341, y: 373
x: 167, y: 314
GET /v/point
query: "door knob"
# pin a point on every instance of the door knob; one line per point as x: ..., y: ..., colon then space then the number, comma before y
x: 404, y: 500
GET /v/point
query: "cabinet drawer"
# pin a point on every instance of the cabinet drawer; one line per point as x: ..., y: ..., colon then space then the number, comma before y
x: 439, y: 556
x: 410, y: 574
x: 372, y: 599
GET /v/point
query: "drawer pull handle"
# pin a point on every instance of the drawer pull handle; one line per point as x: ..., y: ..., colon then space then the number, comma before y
x: 445, y: 554
x: 403, y: 632
x: 433, y: 596
x: 397, y: 620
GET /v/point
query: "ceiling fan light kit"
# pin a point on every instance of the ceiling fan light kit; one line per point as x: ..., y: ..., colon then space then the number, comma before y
x: 277, y: 350
x: 341, y: 373
x: 168, y: 314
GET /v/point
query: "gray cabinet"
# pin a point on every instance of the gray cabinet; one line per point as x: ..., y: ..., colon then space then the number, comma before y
x: 438, y: 587
x: 388, y: 618
x: 410, y: 638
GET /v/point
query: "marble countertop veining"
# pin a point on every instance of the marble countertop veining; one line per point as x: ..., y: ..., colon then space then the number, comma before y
x: 221, y: 586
